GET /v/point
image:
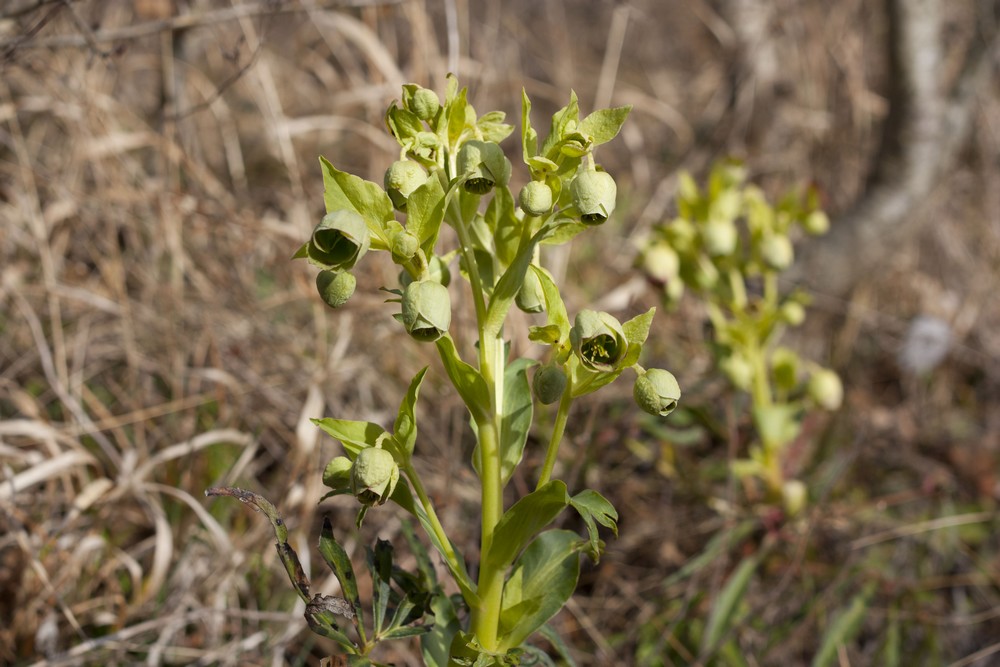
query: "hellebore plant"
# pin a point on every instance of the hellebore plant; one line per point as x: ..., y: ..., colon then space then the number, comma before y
x: 728, y: 246
x: 452, y: 171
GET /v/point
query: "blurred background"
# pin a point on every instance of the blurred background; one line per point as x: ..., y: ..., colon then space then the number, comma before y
x: 158, y: 169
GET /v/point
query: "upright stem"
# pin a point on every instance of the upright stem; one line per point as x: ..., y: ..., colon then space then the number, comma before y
x: 557, y: 433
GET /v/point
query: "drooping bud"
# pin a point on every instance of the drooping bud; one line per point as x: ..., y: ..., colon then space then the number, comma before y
x: 335, y: 287
x: 374, y: 476
x: 339, y: 240
x: 549, y: 384
x: 484, y: 164
x: 826, y: 389
x: 403, y: 246
x: 594, y: 195
x: 426, y: 310
x: 401, y: 179
x: 656, y: 391
x: 776, y: 251
x: 719, y: 237
x: 337, y: 474
x: 598, y: 341
x: 661, y: 263
x: 794, y: 496
x: 816, y: 223
x: 536, y: 198
x: 792, y: 313
x: 530, y: 298
x: 425, y: 104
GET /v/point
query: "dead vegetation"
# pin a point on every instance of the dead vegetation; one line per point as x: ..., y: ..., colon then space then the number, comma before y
x: 158, y: 169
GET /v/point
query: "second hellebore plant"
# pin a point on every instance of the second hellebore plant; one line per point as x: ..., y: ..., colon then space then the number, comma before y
x: 451, y: 170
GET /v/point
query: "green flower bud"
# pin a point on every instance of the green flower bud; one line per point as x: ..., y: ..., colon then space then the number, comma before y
x: 794, y: 496
x: 594, y: 194
x: 425, y: 104
x: 530, y: 298
x: 598, y: 341
x: 339, y: 240
x: 816, y: 223
x: 549, y: 384
x: 401, y: 179
x: 825, y: 389
x: 335, y: 287
x: 792, y: 313
x: 485, y: 165
x: 656, y: 391
x: 737, y: 370
x: 785, y: 368
x: 374, y: 476
x: 426, y: 310
x: 719, y: 237
x: 403, y: 246
x: 337, y: 474
x: 776, y: 251
x: 536, y: 198
x: 661, y: 263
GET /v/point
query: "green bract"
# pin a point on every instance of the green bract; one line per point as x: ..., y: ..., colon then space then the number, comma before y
x: 484, y: 165
x: 549, y: 384
x: 339, y: 240
x: 598, y: 341
x: 594, y: 194
x: 530, y: 298
x: 656, y: 391
x: 401, y: 179
x: 426, y: 310
x: 335, y: 287
x: 374, y: 476
x: 535, y: 198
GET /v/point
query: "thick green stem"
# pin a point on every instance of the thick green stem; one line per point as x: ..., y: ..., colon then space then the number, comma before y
x: 557, y: 433
x: 486, y: 616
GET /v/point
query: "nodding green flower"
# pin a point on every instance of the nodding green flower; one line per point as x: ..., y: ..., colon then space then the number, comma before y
x: 401, y: 179
x: 484, y: 164
x: 335, y: 287
x: 426, y: 310
x: 403, y: 246
x: 738, y: 371
x: 374, y: 476
x: 776, y: 251
x: 425, y: 104
x: 549, y: 384
x: 661, y: 263
x: 535, y: 198
x: 719, y: 237
x: 656, y: 391
x: 598, y: 341
x: 530, y: 298
x: 816, y: 223
x: 825, y: 389
x: 594, y: 194
x: 339, y: 240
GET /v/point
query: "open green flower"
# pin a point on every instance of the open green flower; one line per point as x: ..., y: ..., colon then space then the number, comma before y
x: 374, y: 476
x: 426, y: 310
x: 656, y: 391
x: 339, y: 240
x: 594, y: 195
x: 335, y: 287
x: 484, y: 164
x: 598, y: 341
x: 401, y: 179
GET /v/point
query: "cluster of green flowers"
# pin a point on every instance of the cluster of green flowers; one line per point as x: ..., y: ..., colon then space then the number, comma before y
x: 728, y: 245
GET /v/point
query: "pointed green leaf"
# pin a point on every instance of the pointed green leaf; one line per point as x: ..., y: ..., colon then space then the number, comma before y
x: 468, y: 382
x: 603, y: 125
x: 724, y: 609
x: 595, y: 509
x: 562, y: 121
x: 456, y: 117
x: 516, y: 420
x: 506, y: 227
x: 294, y: 569
x: 529, y: 137
x: 424, y: 213
x: 355, y: 435
x: 555, y: 309
x: 844, y: 628
x: 347, y: 191
x: 405, y: 429
x: 380, y: 567
x: 340, y: 563
x: 542, y: 581
x: 519, y: 524
x: 636, y: 330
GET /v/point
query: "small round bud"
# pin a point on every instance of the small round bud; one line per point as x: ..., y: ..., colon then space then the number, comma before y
x: 339, y: 240
x: 536, y: 198
x: 530, y: 298
x: 738, y: 371
x: 403, y: 246
x: 425, y: 104
x: 661, y: 263
x: 401, y: 179
x: 826, y: 389
x: 594, y: 195
x: 776, y: 251
x: 598, y: 341
x: 484, y: 164
x: 794, y: 496
x: 337, y: 474
x: 816, y: 223
x: 719, y: 237
x: 656, y: 391
x: 426, y: 310
x: 792, y: 313
x: 335, y: 287
x: 549, y: 384
x: 374, y: 476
